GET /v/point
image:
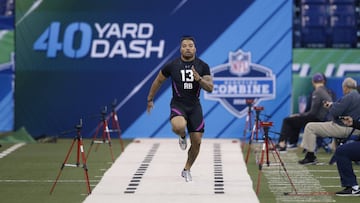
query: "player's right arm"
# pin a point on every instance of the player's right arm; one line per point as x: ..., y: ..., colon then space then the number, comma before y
x: 159, y: 80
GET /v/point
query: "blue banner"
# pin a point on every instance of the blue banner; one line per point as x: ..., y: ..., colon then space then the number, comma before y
x: 83, y: 55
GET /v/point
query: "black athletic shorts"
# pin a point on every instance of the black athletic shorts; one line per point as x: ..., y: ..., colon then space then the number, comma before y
x: 192, y: 114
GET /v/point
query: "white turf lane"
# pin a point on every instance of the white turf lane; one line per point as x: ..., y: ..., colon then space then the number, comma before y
x: 149, y: 171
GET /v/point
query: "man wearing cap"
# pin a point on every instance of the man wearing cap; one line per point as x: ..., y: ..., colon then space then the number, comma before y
x: 292, y: 125
x: 348, y: 105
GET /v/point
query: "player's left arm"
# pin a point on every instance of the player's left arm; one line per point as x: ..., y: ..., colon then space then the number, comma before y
x: 205, y: 81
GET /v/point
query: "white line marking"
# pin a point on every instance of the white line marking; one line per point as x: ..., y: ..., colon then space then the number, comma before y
x: 330, y: 68
x: 303, y: 180
x: 32, y: 8
x: 5, y: 66
x: 178, y: 6
x: 344, y: 68
x: 45, y: 181
x: 162, y: 175
x: 2, y: 33
x: 332, y: 186
x: 327, y: 177
x: 11, y: 149
x: 304, y: 70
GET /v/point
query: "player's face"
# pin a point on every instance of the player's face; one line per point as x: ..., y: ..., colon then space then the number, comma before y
x: 187, y: 49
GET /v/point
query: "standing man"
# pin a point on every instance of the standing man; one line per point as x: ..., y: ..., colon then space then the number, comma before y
x: 188, y: 74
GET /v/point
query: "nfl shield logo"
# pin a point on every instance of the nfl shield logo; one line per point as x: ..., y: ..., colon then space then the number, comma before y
x: 239, y: 63
x: 239, y: 80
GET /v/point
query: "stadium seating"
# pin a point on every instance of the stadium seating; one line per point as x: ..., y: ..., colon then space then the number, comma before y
x: 7, y: 7
x: 2, y: 7
x: 327, y: 23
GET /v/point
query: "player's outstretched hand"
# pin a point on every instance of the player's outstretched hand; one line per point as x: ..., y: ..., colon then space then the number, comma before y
x: 150, y: 105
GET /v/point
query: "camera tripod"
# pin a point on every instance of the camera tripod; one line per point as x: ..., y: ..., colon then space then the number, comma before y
x: 105, y: 137
x: 116, y: 124
x: 80, y: 151
x: 265, y: 150
x: 255, y: 130
x: 247, y: 128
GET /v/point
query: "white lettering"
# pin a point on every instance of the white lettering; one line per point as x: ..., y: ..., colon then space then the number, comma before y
x: 188, y: 86
x: 101, y: 31
x: 135, y: 46
x: 129, y: 29
x: 256, y: 89
x: 239, y: 102
x: 222, y: 89
x: 232, y: 89
x: 139, y: 51
x: 114, y: 30
x: 118, y: 49
x: 145, y: 27
x: 102, y: 48
x: 265, y: 89
x: 159, y: 49
x: 240, y: 89
x: 132, y: 30
x: 347, y: 68
x: 100, y: 53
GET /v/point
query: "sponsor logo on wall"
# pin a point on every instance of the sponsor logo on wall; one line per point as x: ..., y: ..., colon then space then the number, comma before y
x: 239, y: 81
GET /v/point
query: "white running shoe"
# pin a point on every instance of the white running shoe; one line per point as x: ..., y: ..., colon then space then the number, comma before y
x: 182, y: 143
x: 187, y: 175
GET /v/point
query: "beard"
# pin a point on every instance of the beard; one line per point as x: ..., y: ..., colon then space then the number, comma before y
x: 188, y: 55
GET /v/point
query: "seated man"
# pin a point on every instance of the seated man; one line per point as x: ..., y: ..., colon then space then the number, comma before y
x: 348, y: 105
x: 344, y: 156
x: 292, y: 125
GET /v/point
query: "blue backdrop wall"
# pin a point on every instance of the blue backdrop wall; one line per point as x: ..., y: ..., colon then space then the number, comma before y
x: 75, y: 57
x: 6, y: 70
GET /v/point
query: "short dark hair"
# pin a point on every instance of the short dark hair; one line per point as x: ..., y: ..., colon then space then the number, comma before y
x: 187, y: 37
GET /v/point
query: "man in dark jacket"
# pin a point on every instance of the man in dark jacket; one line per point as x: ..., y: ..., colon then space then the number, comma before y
x: 293, y: 124
x: 345, y: 154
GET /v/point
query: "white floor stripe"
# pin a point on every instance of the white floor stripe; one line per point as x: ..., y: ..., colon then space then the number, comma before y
x: 151, y: 167
x: 304, y: 181
x: 11, y: 149
x: 44, y: 181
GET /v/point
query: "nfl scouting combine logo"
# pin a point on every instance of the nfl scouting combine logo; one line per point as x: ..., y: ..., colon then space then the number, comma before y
x: 239, y: 80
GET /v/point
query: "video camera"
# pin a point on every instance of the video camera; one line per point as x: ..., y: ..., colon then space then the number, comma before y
x: 258, y: 108
x: 266, y: 123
